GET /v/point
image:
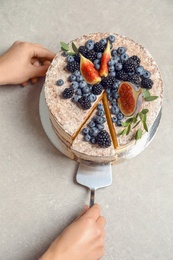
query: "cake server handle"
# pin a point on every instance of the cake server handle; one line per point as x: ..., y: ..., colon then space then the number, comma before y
x: 92, y: 195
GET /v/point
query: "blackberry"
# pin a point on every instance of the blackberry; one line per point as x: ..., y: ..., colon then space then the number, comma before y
x: 85, y: 102
x: 72, y: 66
x: 146, y: 83
x: 83, y: 50
x: 99, y: 47
x: 122, y: 75
x: 129, y: 66
x: 97, y: 89
x: 134, y: 79
x: 136, y: 59
x: 108, y: 82
x: 91, y: 55
x: 77, y: 57
x: 68, y: 93
x: 103, y: 139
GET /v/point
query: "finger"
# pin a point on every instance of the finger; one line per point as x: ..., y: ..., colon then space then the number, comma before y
x: 24, y: 84
x: 38, y: 71
x: 34, y: 80
x: 101, y: 221
x: 93, y: 212
x: 40, y: 52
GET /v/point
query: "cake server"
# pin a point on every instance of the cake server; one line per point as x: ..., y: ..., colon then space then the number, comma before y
x: 94, y: 176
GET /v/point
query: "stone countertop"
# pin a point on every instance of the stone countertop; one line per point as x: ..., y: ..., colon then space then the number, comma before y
x: 38, y: 193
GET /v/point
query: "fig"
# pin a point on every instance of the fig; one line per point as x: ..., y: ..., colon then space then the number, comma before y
x: 88, y: 71
x: 104, y: 70
x: 130, y: 99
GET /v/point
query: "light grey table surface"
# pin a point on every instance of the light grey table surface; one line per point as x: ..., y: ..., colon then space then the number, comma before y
x: 38, y: 193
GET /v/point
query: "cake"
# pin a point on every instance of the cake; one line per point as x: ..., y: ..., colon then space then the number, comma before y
x: 104, y: 94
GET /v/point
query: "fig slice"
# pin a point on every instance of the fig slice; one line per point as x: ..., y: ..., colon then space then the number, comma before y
x: 104, y: 70
x: 88, y: 71
x: 130, y: 98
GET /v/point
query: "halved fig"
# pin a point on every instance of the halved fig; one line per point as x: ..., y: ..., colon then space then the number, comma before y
x: 104, y: 70
x: 130, y: 98
x: 88, y: 71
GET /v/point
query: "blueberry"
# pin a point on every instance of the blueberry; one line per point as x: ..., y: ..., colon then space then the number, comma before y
x: 99, y: 55
x: 146, y: 74
x: 100, y: 113
x: 111, y: 38
x: 92, y: 124
x: 72, y: 78
x: 70, y: 58
x: 85, y: 131
x: 120, y: 116
x: 111, y: 62
x: 140, y: 70
x: 93, y: 140
x: 79, y: 78
x: 124, y: 56
x: 100, y: 107
x: 87, y: 138
x: 97, y: 61
x: 97, y: 66
x: 118, y: 66
x: 116, y: 95
x: 100, y: 126
x: 119, y: 122
x: 110, y: 98
x: 83, y: 84
x: 89, y: 45
x: 121, y: 50
x: 78, y: 92
x: 114, y: 119
x: 116, y: 59
x: 115, y: 110
x: 114, y: 52
x: 112, y: 74
x: 114, y: 103
x: 77, y: 73
x: 59, y: 82
x: 90, y: 41
x: 94, y: 131
x: 103, y: 41
x: 111, y: 68
x: 92, y: 97
x: 100, y: 120
x: 115, y: 86
x: 85, y: 90
x: 75, y: 98
x: 108, y: 91
x: 74, y: 84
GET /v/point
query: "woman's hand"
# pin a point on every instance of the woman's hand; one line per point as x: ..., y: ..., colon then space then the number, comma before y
x: 82, y: 240
x: 24, y: 61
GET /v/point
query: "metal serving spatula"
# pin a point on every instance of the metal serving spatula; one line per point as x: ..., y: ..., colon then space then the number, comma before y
x: 94, y: 177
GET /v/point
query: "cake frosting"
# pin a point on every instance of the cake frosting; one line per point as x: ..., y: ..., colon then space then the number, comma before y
x: 68, y: 119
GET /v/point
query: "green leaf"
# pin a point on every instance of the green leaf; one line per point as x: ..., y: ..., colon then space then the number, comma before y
x: 64, y: 46
x: 137, y: 124
x: 70, y: 53
x: 144, y: 111
x: 129, y: 120
x: 138, y: 134
x: 128, y: 129
x: 141, y: 116
x: 145, y: 126
x: 151, y: 98
x: 144, y: 118
x: 123, y: 132
x: 124, y: 124
x: 75, y: 49
x: 146, y: 93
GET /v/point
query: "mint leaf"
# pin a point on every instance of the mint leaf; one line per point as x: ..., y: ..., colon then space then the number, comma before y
x: 75, y: 49
x: 151, y: 98
x: 64, y: 46
x: 128, y: 129
x: 144, y: 111
x: 70, y: 53
x: 138, y: 134
x: 146, y: 93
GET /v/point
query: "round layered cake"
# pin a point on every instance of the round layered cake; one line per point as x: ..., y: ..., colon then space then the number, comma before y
x: 104, y: 94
